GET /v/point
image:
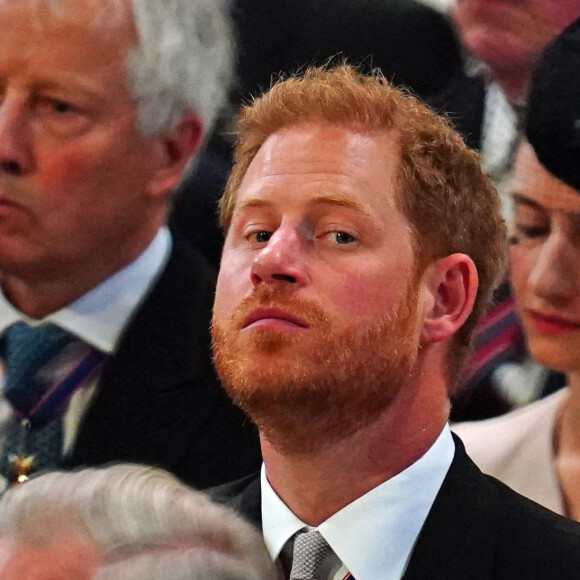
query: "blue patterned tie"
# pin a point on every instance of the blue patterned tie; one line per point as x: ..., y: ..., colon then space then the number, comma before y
x: 37, y: 429
x: 27, y: 350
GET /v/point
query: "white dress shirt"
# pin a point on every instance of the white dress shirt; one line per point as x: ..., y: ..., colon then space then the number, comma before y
x: 500, y: 136
x: 373, y: 537
x: 98, y: 318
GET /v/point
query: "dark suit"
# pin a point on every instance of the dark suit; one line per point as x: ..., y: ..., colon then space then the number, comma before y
x: 477, y: 529
x: 463, y: 102
x: 158, y: 401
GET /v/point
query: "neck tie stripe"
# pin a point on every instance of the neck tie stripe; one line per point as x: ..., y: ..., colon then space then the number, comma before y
x: 59, y: 393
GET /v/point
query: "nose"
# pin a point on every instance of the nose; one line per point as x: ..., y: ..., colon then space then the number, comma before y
x: 281, y: 260
x: 556, y: 273
x: 15, y: 147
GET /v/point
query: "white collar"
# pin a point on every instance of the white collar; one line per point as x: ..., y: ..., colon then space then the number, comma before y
x: 374, y: 535
x: 100, y: 316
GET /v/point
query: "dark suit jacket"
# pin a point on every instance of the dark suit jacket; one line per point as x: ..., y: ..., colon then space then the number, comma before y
x: 158, y: 401
x: 477, y: 529
x: 463, y: 102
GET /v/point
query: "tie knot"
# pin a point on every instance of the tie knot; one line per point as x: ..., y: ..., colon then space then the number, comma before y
x: 310, y: 551
x: 26, y: 351
x: 25, y: 345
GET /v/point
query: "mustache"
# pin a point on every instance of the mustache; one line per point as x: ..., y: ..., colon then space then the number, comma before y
x: 279, y: 297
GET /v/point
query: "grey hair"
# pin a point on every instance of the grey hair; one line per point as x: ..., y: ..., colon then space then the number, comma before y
x: 146, y: 524
x: 183, y: 61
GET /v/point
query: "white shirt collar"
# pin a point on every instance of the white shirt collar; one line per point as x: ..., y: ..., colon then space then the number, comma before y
x: 374, y: 535
x: 100, y: 316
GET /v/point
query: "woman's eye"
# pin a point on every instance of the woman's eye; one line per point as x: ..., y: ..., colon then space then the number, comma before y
x: 531, y: 231
x: 342, y: 237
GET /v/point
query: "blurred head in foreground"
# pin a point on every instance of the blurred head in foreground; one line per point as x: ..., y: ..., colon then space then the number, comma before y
x: 123, y: 521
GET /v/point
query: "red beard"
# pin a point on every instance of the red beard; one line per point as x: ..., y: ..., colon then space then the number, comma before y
x: 307, y: 389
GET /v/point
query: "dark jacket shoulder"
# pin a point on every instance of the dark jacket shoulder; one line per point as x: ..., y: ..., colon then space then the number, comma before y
x: 478, y: 528
x: 159, y: 401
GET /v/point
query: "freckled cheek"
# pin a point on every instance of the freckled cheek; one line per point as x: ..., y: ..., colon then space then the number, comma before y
x: 365, y: 295
x: 233, y: 284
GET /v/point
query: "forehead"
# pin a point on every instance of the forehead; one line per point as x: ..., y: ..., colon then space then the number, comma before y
x: 69, y: 557
x: 533, y: 181
x: 307, y: 161
x: 75, y: 43
x: 109, y: 17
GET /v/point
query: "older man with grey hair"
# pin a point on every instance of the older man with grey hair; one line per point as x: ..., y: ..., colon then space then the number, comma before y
x: 124, y: 521
x: 103, y: 315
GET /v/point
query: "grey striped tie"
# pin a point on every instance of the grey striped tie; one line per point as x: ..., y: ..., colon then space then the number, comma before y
x: 310, y: 551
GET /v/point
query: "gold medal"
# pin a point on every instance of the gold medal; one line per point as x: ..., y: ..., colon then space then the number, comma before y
x: 22, y: 466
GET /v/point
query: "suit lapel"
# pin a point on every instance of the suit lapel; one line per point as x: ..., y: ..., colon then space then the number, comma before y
x: 243, y: 496
x: 459, y: 537
x: 249, y: 502
x: 161, y: 379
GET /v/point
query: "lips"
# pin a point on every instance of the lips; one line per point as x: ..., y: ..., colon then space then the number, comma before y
x: 8, y: 207
x: 551, y: 324
x: 272, y: 317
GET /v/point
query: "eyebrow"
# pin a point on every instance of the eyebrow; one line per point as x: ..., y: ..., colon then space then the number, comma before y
x: 522, y: 199
x: 333, y: 200
x: 72, y: 87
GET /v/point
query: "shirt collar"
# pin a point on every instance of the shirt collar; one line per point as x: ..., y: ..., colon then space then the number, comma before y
x: 100, y: 316
x: 374, y: 535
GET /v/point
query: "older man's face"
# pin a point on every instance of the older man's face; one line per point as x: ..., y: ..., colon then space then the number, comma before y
x: 75, y: 175
x: 316, y: 307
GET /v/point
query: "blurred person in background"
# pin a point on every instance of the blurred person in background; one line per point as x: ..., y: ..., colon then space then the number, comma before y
x: 486, y: 103
x: 124, y: 522
x: 104, y: 314
x: 506, y: 36
x: 536, y: 450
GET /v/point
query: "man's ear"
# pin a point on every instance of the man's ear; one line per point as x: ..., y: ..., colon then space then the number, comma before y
x: 174, y: 149
x: 452, y: 286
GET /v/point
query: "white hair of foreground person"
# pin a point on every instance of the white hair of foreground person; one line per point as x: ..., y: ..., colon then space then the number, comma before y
x: 145, y: 524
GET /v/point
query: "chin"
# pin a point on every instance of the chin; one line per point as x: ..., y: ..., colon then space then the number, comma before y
x: 499, y: 51
x: 553, y: 354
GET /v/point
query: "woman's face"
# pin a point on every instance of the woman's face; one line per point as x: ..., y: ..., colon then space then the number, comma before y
x: 545, y: 262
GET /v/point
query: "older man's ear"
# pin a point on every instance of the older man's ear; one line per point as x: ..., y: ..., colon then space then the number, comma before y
x: 173, y: 150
